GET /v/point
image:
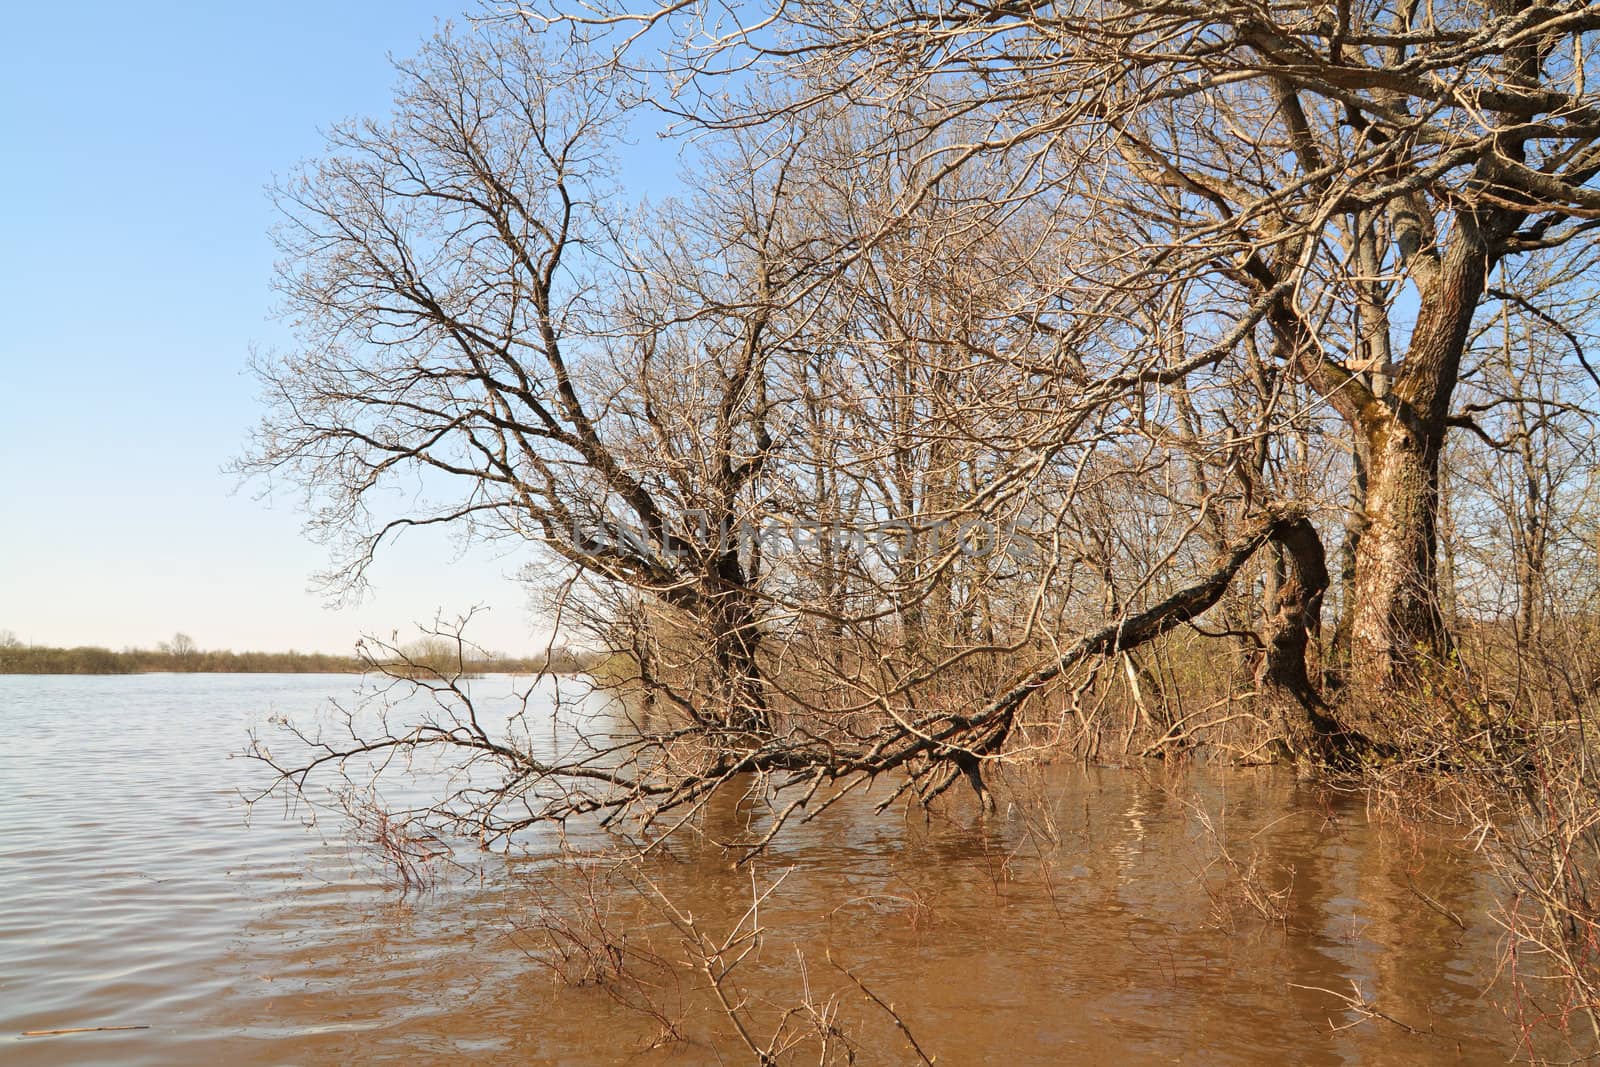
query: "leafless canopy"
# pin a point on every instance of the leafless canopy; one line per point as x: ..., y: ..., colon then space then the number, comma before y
x: 988, y: 351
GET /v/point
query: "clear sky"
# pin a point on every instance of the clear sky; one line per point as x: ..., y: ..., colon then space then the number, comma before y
x: 136, y: 141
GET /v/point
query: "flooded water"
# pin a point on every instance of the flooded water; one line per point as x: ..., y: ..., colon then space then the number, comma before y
x: 1104, y: 916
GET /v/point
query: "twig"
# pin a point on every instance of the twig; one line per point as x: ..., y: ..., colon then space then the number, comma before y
x: 78, y: 1030
x: 888, y: 1009
x: 1435, y: 905
x: 1359, y: 1004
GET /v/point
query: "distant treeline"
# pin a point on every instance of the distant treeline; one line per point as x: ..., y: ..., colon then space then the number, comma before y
x: 18, y: 658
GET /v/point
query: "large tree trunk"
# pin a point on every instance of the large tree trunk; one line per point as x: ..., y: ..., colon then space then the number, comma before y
x: 1397, y: 625
x: 1396, y: 621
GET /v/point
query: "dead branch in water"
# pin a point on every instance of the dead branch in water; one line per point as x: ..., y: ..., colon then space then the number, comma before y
x: 79, y: 1030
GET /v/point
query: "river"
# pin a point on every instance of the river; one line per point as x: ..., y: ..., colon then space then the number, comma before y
x: 1106, y: 916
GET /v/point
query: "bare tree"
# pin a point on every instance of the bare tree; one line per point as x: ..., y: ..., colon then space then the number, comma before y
x: 478, y: 314
x: 1066, y: 302
x: 635, y: 390
x: 1363, y: 168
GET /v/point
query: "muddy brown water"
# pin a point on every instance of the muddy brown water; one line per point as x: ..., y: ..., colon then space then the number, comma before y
x: 1095, y: 920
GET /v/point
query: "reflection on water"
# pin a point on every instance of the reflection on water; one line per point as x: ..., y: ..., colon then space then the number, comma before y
x: 1097, y: 918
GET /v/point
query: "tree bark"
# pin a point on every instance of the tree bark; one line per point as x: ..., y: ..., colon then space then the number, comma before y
x: 1397, y: 626
x: 736, y: 639
x: 1283, y: 685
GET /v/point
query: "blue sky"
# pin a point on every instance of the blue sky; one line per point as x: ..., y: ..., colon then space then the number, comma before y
x: 135, y: 276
